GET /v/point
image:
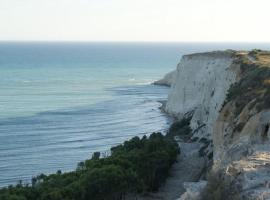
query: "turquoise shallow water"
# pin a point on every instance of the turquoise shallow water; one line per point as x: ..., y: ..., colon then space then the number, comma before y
x: 60, y: 102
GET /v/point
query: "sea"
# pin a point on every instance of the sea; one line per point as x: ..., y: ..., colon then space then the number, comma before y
x: 62, y: 101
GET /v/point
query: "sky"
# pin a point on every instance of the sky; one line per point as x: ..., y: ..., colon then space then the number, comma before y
x: 135, y: 20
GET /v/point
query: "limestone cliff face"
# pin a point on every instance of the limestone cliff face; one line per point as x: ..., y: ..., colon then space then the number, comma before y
x: 238, y: 125
x: 200, y: 86
x: 241, y: 134
x: 167, y: 80
x: 244, y: 155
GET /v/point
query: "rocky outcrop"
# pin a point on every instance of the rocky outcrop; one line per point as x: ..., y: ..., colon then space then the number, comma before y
x: 228, y: 96
x: 241, y: 135
x: 167, y: 80
x: 244, y: 152
x: 200, y: 86
x: 193, y: 190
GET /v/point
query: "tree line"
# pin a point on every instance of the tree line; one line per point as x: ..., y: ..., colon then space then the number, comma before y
x: 137, y: 166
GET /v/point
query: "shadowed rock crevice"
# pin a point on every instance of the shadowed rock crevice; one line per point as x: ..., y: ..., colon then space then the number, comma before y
x: 265, y: 132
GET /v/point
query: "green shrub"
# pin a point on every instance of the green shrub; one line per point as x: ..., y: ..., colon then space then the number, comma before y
x: 180, y: 128
x: 137, y: 166
x: 251, y: 86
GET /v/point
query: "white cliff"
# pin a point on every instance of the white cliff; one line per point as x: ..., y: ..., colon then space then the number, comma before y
x: 200, y: 86
x: 239, y: 127
x: 167, y: 80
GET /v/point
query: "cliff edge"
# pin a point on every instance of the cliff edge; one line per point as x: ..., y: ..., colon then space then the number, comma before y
x: 167, y: 80
x: 227, y: 96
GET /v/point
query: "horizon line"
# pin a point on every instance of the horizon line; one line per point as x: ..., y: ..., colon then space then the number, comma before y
x: 124, y: 41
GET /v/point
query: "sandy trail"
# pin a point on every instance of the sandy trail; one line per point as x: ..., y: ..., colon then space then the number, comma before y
x: 187, y: 169
x: 251, y: 58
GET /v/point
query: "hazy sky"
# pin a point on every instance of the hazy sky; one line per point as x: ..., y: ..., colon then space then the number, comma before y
x: 135, y: 20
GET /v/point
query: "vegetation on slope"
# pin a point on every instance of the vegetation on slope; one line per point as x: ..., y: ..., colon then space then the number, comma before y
x: 253, y: 91
x: 180, y: 128
x: 254, y: 83
x: 137, y: 166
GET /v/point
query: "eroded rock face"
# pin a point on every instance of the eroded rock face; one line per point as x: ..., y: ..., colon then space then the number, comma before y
x: 240, y: 135
x: 193, y: 190
x: 200, y: 85
x: 167, y: 80
x: 244, y: 154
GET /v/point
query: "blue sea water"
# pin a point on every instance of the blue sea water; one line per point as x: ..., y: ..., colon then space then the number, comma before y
x: 60, y: 102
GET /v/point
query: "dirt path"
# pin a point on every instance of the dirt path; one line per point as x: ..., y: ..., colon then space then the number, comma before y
x: 188, y: 168
x: 251, y: 58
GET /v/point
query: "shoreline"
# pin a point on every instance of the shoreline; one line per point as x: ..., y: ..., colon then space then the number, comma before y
x: 155, y: 109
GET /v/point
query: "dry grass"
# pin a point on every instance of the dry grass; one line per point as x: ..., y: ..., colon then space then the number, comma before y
x: 254, y: 83
x: 266, y: 82
x: 220, y: 188
x: 263, y: 59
